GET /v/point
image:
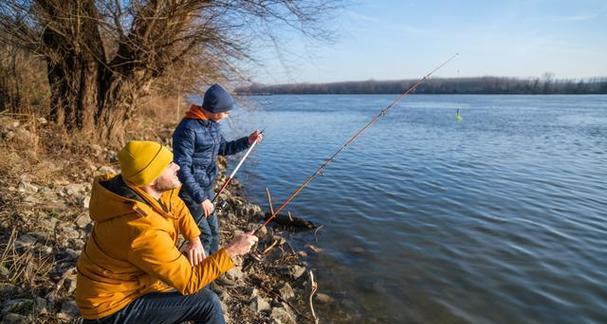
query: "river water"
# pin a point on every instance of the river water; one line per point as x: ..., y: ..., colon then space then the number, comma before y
x: 500, y: 217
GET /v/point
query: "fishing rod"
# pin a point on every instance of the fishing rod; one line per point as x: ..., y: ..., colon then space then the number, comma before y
x: 231, y: 177
x: 349, y: 142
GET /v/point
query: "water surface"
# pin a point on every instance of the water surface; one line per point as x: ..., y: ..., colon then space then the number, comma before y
x: 498, y: 218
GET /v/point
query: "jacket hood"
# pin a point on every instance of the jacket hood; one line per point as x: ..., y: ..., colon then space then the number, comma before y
x: 106, y: 204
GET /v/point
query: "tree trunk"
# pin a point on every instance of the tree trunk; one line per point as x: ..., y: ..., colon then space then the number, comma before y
x: 86, y: 93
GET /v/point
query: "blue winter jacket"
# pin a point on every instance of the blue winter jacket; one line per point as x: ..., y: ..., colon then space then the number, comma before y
x: 196, y: 144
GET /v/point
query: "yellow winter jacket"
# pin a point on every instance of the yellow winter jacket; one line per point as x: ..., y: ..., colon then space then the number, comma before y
x: 132, y: 249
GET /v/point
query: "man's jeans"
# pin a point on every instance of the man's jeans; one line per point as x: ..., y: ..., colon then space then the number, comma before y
x: 209, y: 226
x: 171, y: 307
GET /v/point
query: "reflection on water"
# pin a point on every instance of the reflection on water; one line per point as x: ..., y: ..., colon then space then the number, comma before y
x: 500, y: 217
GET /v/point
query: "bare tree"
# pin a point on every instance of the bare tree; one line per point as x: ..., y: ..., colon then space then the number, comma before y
x: 103, y: 56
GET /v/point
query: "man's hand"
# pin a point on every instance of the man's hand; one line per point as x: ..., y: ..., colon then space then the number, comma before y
x: 256, y: 136
x: 207, y: 207
x: 241, y: 244
x: 195, y: 251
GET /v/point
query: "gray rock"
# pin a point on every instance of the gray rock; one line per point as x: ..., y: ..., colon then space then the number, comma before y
x: 112, y: 156
x: 70, y: 283
x: 47, y: 223
x: 106, y: 169
x: 7, y: 289
x: 42, y: 235
x: 69, y: 310
x: 46, y: 192
x: 314, y: 248
x: 235, y: 274
x: 294, y: 271
x: 324, y: 298
x: 27, y: 188
x: 19, y: 306
x: 71, y: 253
x: 85, y: 202
x: 263, y: 231
x: 286, y: 292
x: 253, y: 292
x: 83, y: 219
x: 75, y: 189
x: 12, y: 318
x: 70, y: 233
x: 25, y: 241
x: 259, y: 304
x: 41, y: 306
x: 77, y: 244
x: 281, y: 315
x: 44, y: 249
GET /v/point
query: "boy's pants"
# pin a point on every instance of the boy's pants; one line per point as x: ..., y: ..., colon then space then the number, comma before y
x: 209, y: 226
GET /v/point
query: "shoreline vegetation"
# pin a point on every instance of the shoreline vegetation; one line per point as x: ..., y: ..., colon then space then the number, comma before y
x: 471, y: 85
x: 44, y: 224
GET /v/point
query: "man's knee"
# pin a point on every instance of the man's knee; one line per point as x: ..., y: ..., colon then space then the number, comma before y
x: 209, y: 306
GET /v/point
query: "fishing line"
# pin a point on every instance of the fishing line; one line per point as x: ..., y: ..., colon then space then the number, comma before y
x: 349, y: 142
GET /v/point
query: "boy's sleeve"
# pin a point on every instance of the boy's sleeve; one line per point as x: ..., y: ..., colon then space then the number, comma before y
x: 233, y: 147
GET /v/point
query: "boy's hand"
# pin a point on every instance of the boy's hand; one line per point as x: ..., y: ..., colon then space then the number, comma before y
x: 195, y: 251
x: 207, y: 207
x: 255, y: 137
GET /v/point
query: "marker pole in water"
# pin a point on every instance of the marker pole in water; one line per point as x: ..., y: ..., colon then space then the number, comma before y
x: 231, y: 177
x: 349, y: 142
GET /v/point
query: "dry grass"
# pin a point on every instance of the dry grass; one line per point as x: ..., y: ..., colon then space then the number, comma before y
x: 27, y: 269
x: 45, y: 155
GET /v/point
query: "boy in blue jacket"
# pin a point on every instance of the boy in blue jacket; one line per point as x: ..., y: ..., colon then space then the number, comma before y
x: 197, y: 141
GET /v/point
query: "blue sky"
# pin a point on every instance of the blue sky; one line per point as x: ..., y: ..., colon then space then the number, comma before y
x: 389, y: 39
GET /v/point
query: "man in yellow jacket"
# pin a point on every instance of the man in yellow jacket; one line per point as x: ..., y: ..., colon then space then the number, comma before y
x: 130, y: 270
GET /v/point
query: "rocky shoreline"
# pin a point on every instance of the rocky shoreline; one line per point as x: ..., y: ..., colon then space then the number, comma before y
x: 44, y: 225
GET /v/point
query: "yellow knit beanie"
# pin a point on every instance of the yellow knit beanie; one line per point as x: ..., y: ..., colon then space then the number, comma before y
x: 141, y: 162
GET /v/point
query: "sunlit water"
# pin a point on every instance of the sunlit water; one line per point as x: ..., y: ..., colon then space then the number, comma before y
x: 501, y: 217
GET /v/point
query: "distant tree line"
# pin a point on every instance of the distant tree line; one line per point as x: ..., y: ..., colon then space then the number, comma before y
x: 474, y: 85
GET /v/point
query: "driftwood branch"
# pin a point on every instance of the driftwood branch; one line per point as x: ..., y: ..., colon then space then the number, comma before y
x: 270, y: 201
x: 313, y: 288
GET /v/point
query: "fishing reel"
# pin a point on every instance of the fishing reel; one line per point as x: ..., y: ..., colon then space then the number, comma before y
x: 221, y: 205
x: 257, y: 256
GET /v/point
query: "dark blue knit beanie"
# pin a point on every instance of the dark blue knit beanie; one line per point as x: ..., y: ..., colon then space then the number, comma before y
x: 216, y: 99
